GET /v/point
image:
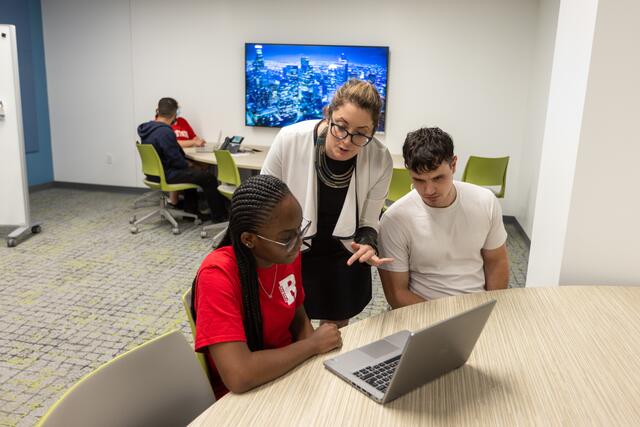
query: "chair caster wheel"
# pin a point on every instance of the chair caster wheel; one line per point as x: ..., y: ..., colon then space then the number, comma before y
x: 36, y: 229
x: 203, y: 234
x: 175, y: 231
x: 11, y: 243
x: 134, y: 230
x: 132, y: 219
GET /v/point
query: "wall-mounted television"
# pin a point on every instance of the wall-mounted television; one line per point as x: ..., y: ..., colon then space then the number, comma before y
x: 289, y: 83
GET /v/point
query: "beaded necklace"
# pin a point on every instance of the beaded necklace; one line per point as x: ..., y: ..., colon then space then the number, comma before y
x: 325, y: 174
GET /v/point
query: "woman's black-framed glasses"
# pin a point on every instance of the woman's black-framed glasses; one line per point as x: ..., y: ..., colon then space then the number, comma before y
x: 340, y: 132
x: 290, y: 244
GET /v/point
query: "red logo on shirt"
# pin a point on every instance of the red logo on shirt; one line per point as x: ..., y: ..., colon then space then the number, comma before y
x: 288, y: 289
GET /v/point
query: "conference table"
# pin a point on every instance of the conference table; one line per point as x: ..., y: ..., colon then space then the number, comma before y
x: 253, y: 158
x: 547, y: 356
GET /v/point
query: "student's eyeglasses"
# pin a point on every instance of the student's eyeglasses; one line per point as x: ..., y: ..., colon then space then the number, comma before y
x: 290, y: 244
x: 341, y: 133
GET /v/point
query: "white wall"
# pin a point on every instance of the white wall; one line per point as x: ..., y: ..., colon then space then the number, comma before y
x: 603, y: 234
x: 576, y: 22
x: 537, y: 112
x: 464, y: 66
x: 88, y: 60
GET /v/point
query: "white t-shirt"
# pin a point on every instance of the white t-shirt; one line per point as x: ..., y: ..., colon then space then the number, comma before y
x: 440, y: 247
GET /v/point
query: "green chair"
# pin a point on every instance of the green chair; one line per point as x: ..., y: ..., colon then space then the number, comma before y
x: 186, y: 301
x: 229, y: 179
x: 157, y: 383
x: 228, y: 173
x: 152, y: 166
x: 399, y: 186
x: 487, y: 171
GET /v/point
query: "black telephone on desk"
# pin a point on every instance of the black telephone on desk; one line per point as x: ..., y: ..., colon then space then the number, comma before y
x: 232, y: 144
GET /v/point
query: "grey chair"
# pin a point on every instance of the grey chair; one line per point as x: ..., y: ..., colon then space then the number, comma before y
x: 159, y: 383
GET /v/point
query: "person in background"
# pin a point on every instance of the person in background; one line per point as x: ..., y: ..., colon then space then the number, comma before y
x: 185, y: 134
x: 247, y: 297
x: 177, y: 168
x: 446, y: 237
x: 340, y: 172
x: 186, y: 138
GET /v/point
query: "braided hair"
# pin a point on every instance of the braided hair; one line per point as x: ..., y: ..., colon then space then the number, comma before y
x: 251, y: 206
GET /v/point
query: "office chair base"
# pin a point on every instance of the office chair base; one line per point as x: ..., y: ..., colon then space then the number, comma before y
x: 147, y: 199
x: 165, y: 213
x: 219, y: 235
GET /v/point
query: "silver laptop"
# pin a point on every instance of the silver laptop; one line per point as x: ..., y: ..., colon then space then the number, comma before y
x: 206, y: 148
x: 386, y: 369
x: 210, y: 147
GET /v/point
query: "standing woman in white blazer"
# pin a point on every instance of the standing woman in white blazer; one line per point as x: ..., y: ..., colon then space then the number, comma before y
x: 340, y: 173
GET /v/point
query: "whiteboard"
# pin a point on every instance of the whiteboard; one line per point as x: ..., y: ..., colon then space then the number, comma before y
x: 14, y: 192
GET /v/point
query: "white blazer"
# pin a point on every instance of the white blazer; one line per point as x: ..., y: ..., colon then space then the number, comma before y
x: 291, y: 158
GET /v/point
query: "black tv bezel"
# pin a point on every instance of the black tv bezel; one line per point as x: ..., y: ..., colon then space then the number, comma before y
x: 244, y: 65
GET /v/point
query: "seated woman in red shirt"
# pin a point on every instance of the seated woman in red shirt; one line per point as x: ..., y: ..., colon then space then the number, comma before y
x: 184, y: 133
x: 248, y: 294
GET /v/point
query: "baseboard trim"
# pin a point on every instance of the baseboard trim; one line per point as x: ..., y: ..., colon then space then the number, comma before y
x: 507, y: 219
x: 40, y: 187
x: 89, y: 187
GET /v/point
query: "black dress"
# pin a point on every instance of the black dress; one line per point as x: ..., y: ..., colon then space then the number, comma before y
x: 333, y: 290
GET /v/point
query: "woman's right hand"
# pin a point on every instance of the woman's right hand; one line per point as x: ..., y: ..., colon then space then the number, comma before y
x: 198, y: 142
x: 326, y: 338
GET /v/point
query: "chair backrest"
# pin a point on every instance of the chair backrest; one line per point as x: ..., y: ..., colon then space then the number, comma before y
x: 400, y: 184
x: 151, y: 163
x: 228, y: 172
x: 186, y: 301
x: 487, y: 171
x: 157, y: 383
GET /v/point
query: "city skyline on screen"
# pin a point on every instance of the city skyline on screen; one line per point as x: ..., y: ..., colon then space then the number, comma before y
x: 286, y: 84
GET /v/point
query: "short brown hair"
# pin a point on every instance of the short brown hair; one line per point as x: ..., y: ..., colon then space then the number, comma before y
x: 361, y: 94
x: 167, y: 107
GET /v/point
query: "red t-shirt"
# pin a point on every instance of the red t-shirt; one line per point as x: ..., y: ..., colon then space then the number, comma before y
x: 183, y: 129
x: 218, y: 305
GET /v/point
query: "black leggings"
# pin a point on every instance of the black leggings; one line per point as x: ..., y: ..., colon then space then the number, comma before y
x: 205, y: 179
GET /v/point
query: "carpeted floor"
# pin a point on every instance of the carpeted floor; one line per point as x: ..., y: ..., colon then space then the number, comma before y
x: 86, y: 289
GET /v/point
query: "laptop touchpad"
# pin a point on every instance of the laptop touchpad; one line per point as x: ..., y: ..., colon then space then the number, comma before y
x: 378, y: 349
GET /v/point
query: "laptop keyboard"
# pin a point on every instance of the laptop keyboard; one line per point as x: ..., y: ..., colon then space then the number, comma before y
x: 380, y: 374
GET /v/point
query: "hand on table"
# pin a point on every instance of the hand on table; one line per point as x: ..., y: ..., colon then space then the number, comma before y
x: 198, y: 142
x: 326, y: 338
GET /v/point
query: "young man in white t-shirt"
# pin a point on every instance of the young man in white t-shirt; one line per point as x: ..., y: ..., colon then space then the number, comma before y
x: 446, y: 237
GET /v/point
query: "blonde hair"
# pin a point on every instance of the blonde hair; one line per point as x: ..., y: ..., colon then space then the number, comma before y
x: 362, y: 94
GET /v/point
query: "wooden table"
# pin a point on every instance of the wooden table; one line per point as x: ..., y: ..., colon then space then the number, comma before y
x: 547, y: 356
x: 253, y: 161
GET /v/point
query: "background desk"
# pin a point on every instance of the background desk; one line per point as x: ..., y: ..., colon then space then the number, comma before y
x: 568, y: 355
x: 253, y: 161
